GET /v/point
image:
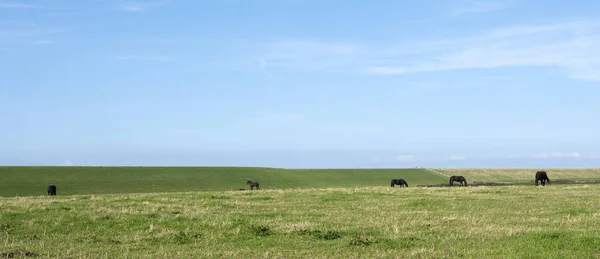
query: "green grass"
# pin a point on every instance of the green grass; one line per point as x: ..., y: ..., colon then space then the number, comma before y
x: 558, y: 221
x: 520, y: 174
x: 28, y: 181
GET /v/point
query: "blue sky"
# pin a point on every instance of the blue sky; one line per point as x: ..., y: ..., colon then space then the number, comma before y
x: 300, y: 83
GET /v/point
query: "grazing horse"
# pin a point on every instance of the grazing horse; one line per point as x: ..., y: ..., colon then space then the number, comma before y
x: 541, y: 176
x: 253, y: 184
x: 52, y: 190
x: 399, y: 182
x: 459, y: 178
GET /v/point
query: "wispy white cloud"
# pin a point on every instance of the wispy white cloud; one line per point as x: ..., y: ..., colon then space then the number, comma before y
x: 573, y: 47
x: 67, y: 163
x: 454, y: 158
x: 263, y: 67
x: 482, y: 6
x: 29, y: 33
x: 557, y: 155
x: 407, y: 158
x: 160, y: 58
x: 43, y: 42
x: 275, y: 120
x: 17, y: 5
x: 308, y: 55
x: 140, y: 6
x: 554, y: 155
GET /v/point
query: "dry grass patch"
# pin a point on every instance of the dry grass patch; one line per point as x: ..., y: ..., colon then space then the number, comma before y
x: 520, y: 174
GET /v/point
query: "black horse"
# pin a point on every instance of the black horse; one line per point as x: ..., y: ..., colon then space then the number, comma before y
x: 399, y: 182
x: 541, y: 176
x: 458, y: 178
x: 253, y: 184
x: 52, y: 190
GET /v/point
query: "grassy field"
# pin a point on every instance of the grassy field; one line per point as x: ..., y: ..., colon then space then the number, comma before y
x: 520, y: 174
x: 558, y: 221
x: 28, y: 181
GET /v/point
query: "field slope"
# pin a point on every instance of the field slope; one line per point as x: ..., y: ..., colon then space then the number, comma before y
x: 520, y: 174
x: 558, y: 221
x: 28, y: 181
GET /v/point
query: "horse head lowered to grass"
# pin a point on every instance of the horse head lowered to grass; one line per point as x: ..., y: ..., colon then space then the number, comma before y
x: 541, y: 176
x: 458, y: 178
x: 400, y: 182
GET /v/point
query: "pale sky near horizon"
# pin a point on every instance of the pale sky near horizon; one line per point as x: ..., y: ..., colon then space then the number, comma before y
x: 300, y: 83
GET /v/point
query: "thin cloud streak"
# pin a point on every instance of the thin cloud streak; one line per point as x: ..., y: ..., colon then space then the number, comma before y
x: 407, y: 158
x: 573, y: 47
x: 275, y: 120
x: 43, y: 42
x: 17, y: 5
x: 554, y: 155
x: 147, y: 58
x: 139, y: 6
x: 21, y: 32
x: 482, y: 7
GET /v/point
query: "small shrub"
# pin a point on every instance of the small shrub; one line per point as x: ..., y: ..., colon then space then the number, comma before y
x: 4, y: 227
x: 186, y: 237
x: 318, y: 234
x: 260, y: 230
x: 409, y: 242
x: 329, y: 235
x: 114, y: 242
x: 303, y: 232
x: 361, y: 240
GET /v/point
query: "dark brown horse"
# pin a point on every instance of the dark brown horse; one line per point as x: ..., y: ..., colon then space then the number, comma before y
x: 541, y: 176
x: 253, y: 184
x: 458, y: 178
x: 399, y: 182
x: 52, y: 190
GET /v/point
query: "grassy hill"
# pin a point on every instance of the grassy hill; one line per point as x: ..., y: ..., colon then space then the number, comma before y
x: 520, y: 174
x: 27, y: 181
x: 558, y: 221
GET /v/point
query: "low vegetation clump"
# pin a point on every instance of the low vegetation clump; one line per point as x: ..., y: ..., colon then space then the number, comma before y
x: 554, y: 221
